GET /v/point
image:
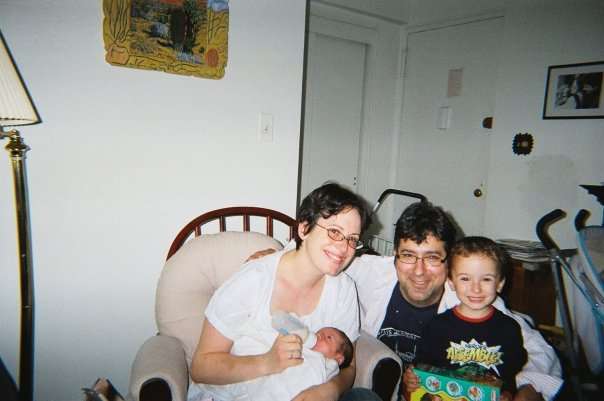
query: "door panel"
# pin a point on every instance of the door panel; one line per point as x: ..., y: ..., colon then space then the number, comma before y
x: 333, y: 114
x: 448, y: 165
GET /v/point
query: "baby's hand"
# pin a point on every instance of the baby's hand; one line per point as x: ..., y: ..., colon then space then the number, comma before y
x: 285, y: 352
x: 410, y: 380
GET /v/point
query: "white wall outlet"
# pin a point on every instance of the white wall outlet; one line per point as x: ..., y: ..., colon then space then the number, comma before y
x: 265, y: 127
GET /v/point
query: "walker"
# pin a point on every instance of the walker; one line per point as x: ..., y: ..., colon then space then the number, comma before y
x: 376, y: 245
x: 583, y: 273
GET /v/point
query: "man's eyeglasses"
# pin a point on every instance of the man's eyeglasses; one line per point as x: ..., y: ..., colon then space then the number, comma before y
x: 353, y: 240
x: 411, y: 259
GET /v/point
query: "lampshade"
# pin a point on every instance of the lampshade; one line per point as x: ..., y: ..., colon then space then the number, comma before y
x: 15, y: 105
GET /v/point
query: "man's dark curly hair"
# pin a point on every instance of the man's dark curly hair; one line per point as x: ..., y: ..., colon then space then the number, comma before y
x: 329, y: 200
x: 421, y: 219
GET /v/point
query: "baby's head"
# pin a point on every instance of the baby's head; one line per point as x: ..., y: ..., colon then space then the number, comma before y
x: 334, y: 344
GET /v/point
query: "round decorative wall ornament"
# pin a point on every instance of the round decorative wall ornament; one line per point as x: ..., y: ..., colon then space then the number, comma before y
x: 523, y: 144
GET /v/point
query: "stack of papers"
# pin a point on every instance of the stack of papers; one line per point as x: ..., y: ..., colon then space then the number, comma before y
x: 525, y: 251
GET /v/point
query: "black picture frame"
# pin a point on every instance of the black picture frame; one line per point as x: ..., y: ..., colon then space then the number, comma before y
x: 574, y: 91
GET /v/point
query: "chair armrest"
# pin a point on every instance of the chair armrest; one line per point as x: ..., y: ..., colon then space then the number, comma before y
x: 373, y: 356
x: 160, y: 360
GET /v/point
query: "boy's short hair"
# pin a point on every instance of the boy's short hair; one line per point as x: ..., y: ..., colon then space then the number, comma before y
x: 476, y: 245
x: 326, y: 201
x: 421, y: 219
x: 345, y: 348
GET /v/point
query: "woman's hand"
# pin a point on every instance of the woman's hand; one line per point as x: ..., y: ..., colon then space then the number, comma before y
x: 410, y: 380
x: 285, y: 352
x: 322, y: 392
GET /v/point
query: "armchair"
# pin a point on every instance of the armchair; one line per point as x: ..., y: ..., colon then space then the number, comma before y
x: 194, y: 269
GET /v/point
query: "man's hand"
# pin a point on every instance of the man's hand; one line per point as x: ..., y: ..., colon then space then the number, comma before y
x: 322, y: 392
x: 260, y: 254
x: 505, y: 396
x: 410, y: 380
x: 527, y: 393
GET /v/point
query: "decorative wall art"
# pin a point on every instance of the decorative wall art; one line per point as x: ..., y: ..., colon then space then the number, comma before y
x: 523, y: 144
x: 574, y: 91
x: 188, y: 37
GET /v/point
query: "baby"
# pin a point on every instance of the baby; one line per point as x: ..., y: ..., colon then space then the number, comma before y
x: 324, y: 353
x: 334, y: 344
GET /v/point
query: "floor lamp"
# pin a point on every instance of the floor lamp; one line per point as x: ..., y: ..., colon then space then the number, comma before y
x: 16, y: 109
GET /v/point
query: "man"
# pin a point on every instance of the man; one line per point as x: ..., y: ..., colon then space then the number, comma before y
x: 399, y: 295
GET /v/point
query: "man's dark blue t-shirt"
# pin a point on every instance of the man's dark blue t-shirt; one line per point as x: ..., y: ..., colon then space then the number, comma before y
x: 403, y: 325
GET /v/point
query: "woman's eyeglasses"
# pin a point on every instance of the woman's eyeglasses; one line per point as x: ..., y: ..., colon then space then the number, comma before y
x: 353, y: 240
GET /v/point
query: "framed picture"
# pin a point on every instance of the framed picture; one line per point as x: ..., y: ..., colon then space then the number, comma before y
x: 574, y: 91
x: 188, y: 37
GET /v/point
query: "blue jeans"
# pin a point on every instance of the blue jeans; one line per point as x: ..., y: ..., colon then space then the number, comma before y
x: 360, y: 394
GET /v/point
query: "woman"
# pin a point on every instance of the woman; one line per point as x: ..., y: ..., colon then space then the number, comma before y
x: 304, y: 281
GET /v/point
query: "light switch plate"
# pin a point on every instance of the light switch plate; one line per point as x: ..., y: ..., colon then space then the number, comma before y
x: 443, y: 120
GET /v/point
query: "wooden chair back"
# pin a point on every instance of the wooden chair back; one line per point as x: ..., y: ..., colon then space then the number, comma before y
x: 195, y: 227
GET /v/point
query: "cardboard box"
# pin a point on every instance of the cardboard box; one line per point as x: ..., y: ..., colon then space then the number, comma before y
x: 454, y: 385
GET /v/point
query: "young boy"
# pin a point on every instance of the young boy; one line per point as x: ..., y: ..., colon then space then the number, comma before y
x: 474, y: 332
x: 331, y: 351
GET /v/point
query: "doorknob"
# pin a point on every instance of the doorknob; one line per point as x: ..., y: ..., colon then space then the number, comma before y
x: 487, y: 122
x: 478, y: 192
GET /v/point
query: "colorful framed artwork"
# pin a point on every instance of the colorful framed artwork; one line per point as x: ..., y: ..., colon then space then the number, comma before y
x: 188, y: 37
x: 574, y: 91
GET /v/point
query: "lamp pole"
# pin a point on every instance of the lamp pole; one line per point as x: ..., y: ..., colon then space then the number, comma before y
x: 16, y: 108
x: 17, y: 150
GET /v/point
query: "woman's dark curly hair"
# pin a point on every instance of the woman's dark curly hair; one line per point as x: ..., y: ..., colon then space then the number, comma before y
x: 328, y: 200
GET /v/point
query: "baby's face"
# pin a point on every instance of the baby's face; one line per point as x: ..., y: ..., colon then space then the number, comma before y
x: 329, y: 342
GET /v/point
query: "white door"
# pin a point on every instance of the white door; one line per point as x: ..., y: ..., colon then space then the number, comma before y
x: 450, y: 83
x: 333, y: 111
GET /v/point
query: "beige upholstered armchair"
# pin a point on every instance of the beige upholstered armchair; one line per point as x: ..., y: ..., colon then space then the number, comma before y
x: 194, y: 270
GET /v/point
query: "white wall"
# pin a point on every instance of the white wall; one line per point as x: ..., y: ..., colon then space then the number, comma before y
x: 421, y: 12
x: 566, y: 153
x: 122, y: 160
x: 537, y: 34
x: 392, y: 10
x: 383, y: 86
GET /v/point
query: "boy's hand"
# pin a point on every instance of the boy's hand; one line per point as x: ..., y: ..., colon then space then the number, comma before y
x: 410, y: 380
